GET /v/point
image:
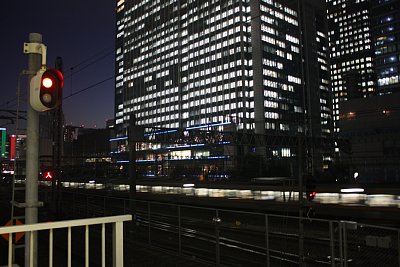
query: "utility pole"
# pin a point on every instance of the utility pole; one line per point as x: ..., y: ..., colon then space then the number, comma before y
x: 57, y: 150
x: 32, y: 152
x: 132, y: 138
x: 300, y: 160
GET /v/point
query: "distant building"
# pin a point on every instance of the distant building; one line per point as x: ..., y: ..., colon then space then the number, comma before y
x: 218, y: 65
x: 370, y: 130
x: 386, y: 32
x: 86, y: 152
x: 365, y: 49
x: 351, y: 51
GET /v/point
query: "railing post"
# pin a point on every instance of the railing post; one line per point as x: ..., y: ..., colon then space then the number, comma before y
x: 118, y: 244
x: 69, y: 245
x: 345, y: 243
x: 10, y: 249
x: 332, y: 243
x: 87, y: 254
x: 179, y: 230
x: 340, y: 243
x: 398, y: 246
x: 267, y: 240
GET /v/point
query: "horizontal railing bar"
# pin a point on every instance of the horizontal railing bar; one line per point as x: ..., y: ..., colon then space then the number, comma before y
x: 64, y: 224
x: 234, y: 211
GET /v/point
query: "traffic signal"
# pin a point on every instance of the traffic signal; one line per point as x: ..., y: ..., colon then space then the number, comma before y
x: 46, y: 89
x: 310, y: 188
x: 310, y: 195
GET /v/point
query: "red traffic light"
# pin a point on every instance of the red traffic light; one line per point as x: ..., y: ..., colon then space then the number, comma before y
x: 51, y: 85
x: 47, y: 82
x: 46, y: 89
x: 311, y: 195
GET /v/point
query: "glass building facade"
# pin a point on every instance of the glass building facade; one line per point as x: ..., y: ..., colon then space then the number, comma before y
x: 187, y: 63
x: 386, y: 30
x: 352, y: 51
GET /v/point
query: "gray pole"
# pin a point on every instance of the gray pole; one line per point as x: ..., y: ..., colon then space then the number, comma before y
x: 32, y: 157
x: 300, y: 159
x: 132, y: 170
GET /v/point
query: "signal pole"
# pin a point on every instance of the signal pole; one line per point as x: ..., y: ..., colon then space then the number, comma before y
x: 32, y: 151
x: 57, y: 150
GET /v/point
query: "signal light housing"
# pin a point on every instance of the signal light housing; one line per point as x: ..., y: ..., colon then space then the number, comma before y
x: 310, y: 195
x: 311, y: 191
x: 46, y: 90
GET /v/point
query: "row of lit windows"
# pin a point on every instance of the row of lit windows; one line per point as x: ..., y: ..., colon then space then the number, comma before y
x: 350, y: 51
x: 340, y: 17
x: 389, y: 80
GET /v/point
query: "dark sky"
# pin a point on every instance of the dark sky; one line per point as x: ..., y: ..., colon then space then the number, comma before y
x: 82, y: 32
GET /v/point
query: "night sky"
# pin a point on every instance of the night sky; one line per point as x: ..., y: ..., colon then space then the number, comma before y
x: 82, y: 32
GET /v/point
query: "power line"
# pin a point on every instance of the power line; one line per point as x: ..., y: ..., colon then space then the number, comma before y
x: 99, y: 55
x: 106, y: 50
x: 89, y: 64
x: 89, y: 87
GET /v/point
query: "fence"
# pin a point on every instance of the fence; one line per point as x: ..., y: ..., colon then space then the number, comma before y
x: 31, y: 230
x: 238, y: 238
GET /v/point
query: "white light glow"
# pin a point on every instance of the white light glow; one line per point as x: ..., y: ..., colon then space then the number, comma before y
x: 352, y: 190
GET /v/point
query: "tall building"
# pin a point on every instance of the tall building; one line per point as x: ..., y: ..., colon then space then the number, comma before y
x: 352, y: 51
x: 365, y: 48
x: 185, y: 64
x: 386, y: 32
x: 316, y: 72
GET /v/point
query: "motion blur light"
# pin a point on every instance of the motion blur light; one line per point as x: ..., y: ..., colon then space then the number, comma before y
x: 352, y: 190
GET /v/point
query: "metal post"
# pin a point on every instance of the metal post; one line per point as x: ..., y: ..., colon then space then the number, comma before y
x: 344, y: 228
x: 118, y: 246
x: 332, y: 243
x: 398, y: 246
x: 300, y: 152
x: 267, y: 240
x: 132, y: 171
x: 32, y: 160
x: 341, y: 243
x: 57, y: 148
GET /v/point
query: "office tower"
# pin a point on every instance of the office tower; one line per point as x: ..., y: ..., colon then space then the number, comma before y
x: 352, y: 51
x: 317, y: 91
x: 194, y: 64
x: 386, y: 32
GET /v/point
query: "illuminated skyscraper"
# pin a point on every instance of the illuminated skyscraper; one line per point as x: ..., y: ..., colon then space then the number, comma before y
x: 364, y: 38
x: 352, y: 53
x: 187, y: 63
x: 386, y: 32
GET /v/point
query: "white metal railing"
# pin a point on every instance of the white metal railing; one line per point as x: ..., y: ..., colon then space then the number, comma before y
x: 118, y: 237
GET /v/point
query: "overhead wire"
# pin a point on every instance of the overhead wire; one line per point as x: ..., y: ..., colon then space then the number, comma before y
x: 89, y: 87
x: 92, y: 60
